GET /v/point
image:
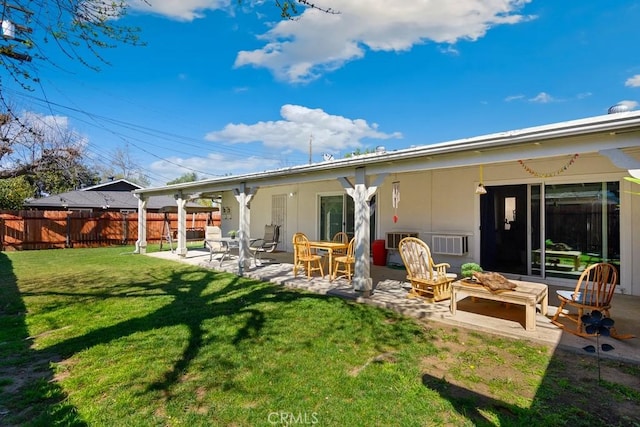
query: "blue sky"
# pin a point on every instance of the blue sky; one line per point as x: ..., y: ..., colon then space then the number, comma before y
x: 227, y: 89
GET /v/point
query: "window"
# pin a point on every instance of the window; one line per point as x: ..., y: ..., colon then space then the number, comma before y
x: 552, y: 230
x: 509, y: 212
x: 336, y: 214
x: 581, y: 227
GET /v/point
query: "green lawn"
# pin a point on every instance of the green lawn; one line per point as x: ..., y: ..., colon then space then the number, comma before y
x: 103, y: 337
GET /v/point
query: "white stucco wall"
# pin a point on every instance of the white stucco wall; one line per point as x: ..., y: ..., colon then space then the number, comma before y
x: 444, y: 201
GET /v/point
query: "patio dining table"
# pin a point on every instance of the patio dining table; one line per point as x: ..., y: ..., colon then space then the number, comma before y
x: 330, y: 247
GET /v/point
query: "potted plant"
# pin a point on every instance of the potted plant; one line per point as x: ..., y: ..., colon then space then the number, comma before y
x: 232, y: 234
x: 467, y: 270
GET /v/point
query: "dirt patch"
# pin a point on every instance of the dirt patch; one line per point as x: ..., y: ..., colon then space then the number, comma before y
x: 479, y: 373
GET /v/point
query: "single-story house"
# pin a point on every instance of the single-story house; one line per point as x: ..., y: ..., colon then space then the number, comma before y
x: 535, y: 204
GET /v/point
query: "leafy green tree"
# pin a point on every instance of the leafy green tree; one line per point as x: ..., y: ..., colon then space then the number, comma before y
x: 13, y: 192
x: 59, y: 171
x: 191, y: 177
x: 187, y: 177
x: 359, y: 152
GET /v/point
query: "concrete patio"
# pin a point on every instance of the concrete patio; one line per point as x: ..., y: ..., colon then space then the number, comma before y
x: 390, y: 292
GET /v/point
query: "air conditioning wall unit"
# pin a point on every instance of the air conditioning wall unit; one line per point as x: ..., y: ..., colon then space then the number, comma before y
x: 394, y: 237
x: 449, y: 244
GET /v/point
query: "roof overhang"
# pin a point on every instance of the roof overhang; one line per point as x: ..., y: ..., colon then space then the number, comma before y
x: 591, y: 135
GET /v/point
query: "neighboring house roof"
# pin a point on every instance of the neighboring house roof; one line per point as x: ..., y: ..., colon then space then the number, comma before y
x: 81, y: 199
x: 112, y: 195
x: 115, y: 185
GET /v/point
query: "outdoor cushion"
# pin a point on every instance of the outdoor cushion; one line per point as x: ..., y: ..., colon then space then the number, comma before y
x: 569, y: 295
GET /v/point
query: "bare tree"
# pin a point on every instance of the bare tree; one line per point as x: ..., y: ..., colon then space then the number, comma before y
x: 32, y: 144
x: 122, y: 164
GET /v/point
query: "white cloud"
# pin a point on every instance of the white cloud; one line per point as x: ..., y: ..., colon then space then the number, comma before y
x: 182, y: 10
x: 542, y: 98
x: 633, y: 81
x: 48, y: 121
x: 54, y: 128
x: 214, y: 164
x: 302, y: 50
x: 330, y: 133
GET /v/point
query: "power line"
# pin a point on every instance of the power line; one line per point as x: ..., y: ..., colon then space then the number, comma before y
x: 162, y: 135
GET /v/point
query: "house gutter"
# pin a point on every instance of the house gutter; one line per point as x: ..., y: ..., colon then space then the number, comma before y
x: 610, y: 124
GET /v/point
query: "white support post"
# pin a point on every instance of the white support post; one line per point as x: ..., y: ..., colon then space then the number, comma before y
x: 243, y: 195
x: 141, y: 243
x: 361, y: 195
x: 181, y: 248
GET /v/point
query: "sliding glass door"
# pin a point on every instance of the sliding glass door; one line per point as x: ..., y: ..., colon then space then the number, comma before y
x: 582, y: 226
x: 335, y: 215
x: 552, y: 230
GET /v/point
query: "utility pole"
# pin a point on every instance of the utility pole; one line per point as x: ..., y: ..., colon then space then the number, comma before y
x: 11, y: 29
x: 310, y: 149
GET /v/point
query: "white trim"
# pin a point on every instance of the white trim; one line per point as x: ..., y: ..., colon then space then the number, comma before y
x: 319, y: 195
x: 579, y: 136
x: 626, y: 239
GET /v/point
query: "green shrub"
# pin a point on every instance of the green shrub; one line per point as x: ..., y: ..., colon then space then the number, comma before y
x: 468, y: 268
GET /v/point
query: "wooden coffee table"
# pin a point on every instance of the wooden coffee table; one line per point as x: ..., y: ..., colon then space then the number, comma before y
x: 526, y: 293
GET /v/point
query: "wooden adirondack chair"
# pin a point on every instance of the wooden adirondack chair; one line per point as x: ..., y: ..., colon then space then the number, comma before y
x: 428, y: 279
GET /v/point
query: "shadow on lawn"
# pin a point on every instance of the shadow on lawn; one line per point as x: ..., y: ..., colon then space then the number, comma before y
x: 473, y: 405
x: 27, y: 392
x: 193, y: 303
x: 569, y: 394
x: 191, y: 307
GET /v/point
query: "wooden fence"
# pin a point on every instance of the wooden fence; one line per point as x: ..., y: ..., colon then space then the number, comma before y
x: 26, y: 230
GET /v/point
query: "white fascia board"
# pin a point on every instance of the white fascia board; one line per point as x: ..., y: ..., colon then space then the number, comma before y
x: 592, y: 134
x: 528, y: 151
